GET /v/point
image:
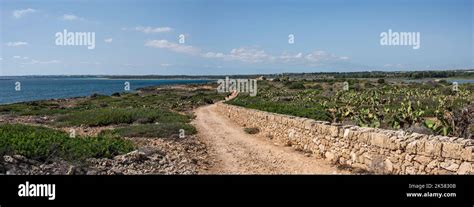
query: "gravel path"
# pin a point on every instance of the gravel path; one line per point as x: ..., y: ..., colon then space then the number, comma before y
x: 232, y: 151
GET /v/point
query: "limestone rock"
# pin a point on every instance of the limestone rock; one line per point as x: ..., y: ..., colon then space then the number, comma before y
x: 465, y: 169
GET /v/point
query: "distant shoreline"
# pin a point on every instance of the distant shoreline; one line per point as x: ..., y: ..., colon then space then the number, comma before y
x: 436, y: 74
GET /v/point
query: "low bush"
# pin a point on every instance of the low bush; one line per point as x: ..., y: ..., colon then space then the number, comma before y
x: 109, y: 116
x: 161, y: 130
x: 42, y: 143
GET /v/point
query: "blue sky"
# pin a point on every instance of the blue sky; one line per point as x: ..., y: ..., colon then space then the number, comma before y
x: 233, y: 37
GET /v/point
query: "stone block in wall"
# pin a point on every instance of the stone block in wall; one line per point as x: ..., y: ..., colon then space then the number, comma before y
x: 441, y: 171
x: 364, y: 136
x: 375, y: 163
x: 411, y: 147
x: 271, y: 118
x: 299, y: 122
x: 309, y: 124
x: 331, y: 157
x: 410, y: 170
x: 388, y: 166
x: 449, y: 165
x: 378, y: 139
x: 293, y: 122
x: 285, y: 120
x: 468, y: 153
x: 465, y: 142
x: 333, y: 130
x: 346, y: 134
x: 424, y: 160
x: 452, y: 150
x: 465, y: 168
x: 278, y: 119
x: 433, y: 164
x: 432, y: 148
x: 392, y: 144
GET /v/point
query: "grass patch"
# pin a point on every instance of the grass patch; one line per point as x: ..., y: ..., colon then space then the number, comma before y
x: 162, y: 130
x: 42, y: 143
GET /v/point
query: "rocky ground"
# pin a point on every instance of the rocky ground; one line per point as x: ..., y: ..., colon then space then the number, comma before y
x: 153, y: 156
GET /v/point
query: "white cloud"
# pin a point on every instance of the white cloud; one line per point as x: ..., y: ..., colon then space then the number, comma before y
x: 43, y: 62
x: 165, y: 44
x: 22, y: 12
x: 89, y: 63
x: 150, y: 30
x: 71, y: 17
x: 319, y: 55
x: 165, y: 65
x: 16, y: 44
x: 20, y: 57
x: 286, y: 57
x: 108, y: 40
x: 213, y: 55
x: 397, y: 65
x: 255, y: 55
x: 323, y: 56
x: 246, y: 54
x: 132, y: 65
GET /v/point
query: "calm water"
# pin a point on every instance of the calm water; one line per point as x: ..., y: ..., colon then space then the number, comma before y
x: 462, y: 81
x: 50, y: 88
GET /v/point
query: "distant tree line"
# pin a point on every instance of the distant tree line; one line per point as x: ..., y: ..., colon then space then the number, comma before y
x: 384, y: 74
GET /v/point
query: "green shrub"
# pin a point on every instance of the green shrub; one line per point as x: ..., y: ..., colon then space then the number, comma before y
x: 161, y: 130
x: 41, y: 143
x: 108, y: 116
x: 33, y: 108
x: 296, y: 85
x: 313, y: 112
x: 317, y: 87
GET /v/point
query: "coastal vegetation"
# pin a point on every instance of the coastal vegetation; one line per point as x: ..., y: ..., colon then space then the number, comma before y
x: 152, y: 112
x: 431, y: 107
x: 41, y: 143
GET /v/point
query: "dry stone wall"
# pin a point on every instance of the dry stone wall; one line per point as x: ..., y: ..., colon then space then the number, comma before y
x: 374, y: 150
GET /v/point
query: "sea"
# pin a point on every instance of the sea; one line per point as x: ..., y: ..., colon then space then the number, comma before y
x: 45, y: 88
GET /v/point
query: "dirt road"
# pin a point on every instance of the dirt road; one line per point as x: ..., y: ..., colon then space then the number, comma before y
x: 232, y: 151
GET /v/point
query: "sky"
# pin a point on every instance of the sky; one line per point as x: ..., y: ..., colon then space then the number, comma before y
x: 229, y: 37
